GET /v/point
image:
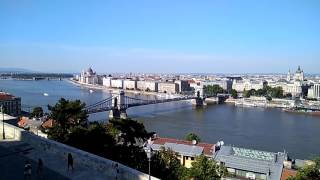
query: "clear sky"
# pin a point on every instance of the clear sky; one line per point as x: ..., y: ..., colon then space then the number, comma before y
x: 213, y: 36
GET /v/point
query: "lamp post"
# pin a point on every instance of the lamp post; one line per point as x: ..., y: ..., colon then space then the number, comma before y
x: 148, y: 150
x: 3, y: 133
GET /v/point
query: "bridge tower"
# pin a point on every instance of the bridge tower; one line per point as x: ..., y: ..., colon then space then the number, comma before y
x: 200, y: 100
x: 119, y: 107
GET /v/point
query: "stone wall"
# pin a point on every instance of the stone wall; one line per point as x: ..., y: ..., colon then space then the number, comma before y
x: 88, y: 160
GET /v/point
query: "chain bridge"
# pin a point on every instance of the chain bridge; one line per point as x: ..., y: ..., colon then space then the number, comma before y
x: 117, y: 104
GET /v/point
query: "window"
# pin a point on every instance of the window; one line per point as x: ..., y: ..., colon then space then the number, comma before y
x: 192, y: 158
x: 187, y: 157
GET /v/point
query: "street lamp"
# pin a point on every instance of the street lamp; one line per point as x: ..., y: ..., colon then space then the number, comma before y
x: 3, y: 133
x: 148, y: 150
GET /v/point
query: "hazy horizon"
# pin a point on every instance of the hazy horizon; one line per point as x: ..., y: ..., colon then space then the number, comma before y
x: 229, y: 37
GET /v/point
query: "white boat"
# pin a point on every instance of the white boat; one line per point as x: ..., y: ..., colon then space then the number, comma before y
x: 45, y: 94
x: 91, y: 91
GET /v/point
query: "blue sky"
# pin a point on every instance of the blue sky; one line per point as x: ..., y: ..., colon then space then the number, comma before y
x: 214, y: 36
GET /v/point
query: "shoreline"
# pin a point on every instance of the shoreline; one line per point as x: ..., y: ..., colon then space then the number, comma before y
x: 113, y: 90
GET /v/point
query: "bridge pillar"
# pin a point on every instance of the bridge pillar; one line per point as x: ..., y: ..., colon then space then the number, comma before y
x: 119, y: 107
x: 200, y: 100
x: 114, y: 114
x: 123, y: 114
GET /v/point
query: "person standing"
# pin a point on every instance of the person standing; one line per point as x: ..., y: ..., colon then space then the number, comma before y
x: 27, y: 170
x: 116, y: 171
x: 40, y: 168
x: 70, y: 162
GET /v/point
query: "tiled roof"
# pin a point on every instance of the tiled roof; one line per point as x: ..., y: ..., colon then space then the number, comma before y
x: 286, y: 173
x: 47, y: 124
x: 208, y: 149
x: 23, y: 122
x: 5, y: 96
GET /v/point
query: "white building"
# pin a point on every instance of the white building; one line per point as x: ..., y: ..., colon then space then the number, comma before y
x: 293, y: 85
x: 294, y: 88
x: 88, y: 77
x: 299, y: 75
x: 129, y: 84
x: 147, y: 86
x: 166, y: 87
x: 106, y: 81
x: 314, y: 91
x: 245, y: 85
x: 117, y: 83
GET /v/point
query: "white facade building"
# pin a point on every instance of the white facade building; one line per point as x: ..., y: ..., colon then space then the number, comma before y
x: 294, y: 88
x: 117, y: 83
x: 106, y: 81
x: 147, y: 86
x: 88, y: 77
x: 314, y: 91
x: 245, y: 85
x: 299, y: 75
x: 129, y: 84
x: 171, y: 88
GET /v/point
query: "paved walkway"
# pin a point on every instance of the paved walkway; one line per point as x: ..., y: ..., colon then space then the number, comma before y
x: 12, y: 165
x: 13, y: 155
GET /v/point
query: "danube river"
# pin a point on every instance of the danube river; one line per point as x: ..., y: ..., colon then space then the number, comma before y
x: 259, y: 128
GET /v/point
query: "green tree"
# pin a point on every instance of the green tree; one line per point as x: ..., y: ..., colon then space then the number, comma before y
x: 249, y: 93
x: 206, y: 169
x: 66, y: 115
x: 307, y: 173
x: 166, y: 165
x: 311, y: 172
x: 36, y: 112
x: 131, y: 132
x: 213, y: 90
x: 193, y: 136
x: 234, y: 94
x: 94, y: 139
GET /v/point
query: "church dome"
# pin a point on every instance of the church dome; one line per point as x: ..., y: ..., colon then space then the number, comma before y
x: 90, y: 71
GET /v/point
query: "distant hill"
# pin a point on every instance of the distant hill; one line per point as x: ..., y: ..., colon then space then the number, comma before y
x: 15, y: 70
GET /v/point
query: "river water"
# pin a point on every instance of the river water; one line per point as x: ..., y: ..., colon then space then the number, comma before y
x: 258, y: 128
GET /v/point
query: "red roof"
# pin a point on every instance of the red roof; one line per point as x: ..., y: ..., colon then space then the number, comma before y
x: 286, y: 173
x: 23, y: 122
x: 47, y: 124
x: 208, y: 149
x: 6, y: 96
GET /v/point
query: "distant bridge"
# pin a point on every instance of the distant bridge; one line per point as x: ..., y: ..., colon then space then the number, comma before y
x: 119, y: 103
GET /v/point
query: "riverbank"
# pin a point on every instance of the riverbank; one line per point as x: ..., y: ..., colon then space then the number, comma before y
x: 113, y: 90
x: 263, y: 102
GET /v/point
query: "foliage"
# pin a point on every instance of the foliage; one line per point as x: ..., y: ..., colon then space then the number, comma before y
x: 213, y: 90
x: 94, y: 139
x: 193, y: 136
x: 121, y: 140
x: 68, y: 114
x: 267, y: 91
x: 57, y: 133
x: 311, y: 172
x: 307, y: 173
x: 234, y: 93
x: 37, y: 112
x: 206, y: 169
x: 131, y: 132
x: 166, y: 165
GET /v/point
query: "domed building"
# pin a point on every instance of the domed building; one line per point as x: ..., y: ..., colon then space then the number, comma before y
x: 299, y: 75
x: 88, y: 77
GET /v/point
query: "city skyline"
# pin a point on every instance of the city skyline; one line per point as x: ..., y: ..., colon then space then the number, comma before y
x: 208, y: 37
